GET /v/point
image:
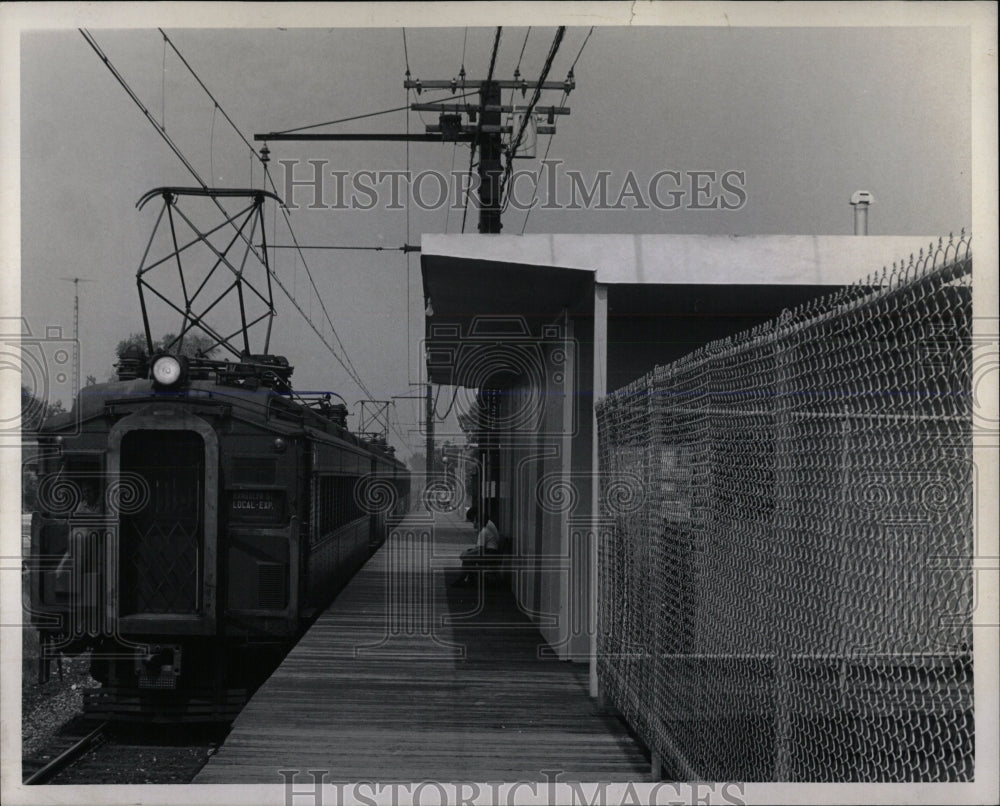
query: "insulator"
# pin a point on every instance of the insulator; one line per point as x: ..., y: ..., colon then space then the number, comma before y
x: 570, y: 82
x: 265, y: 154
x: 454, y: 86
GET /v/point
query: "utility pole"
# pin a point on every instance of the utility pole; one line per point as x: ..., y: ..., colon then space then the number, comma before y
x: 476, y: 123
x: 490, y: 169
x: 482, y: 127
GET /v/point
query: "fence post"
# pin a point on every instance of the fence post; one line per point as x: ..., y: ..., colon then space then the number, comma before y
x: 783, y: 477
x: 600, y: 389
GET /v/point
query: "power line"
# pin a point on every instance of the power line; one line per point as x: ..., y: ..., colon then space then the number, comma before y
x: 535, y: 191
x: 297, y: 129
x: 342, y: 120
x: 352, y: 372
x: 516, y: 141
x: 362, y: 117
x: 517, y: 67
x: 454, y: 397
x: 553, y: 49
x: 552, y: 136
x: 403, y: 248
x: 523, y: 46
x: 156, y: 125
x: 191, y: 169
x: 496, y: 47
x: 208, y: 92
x: 585, y: 40
x: 406, y: 237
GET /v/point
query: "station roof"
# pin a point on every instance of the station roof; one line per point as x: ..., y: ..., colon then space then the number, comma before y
x: 536, y: 277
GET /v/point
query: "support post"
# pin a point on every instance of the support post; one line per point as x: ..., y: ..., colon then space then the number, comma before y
x: 600, y: 390
x: 490, y: 169
x: 655, y: 766
x: 430, y: 434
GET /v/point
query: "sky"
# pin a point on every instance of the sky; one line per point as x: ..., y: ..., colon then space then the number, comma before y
x: 806, y: 116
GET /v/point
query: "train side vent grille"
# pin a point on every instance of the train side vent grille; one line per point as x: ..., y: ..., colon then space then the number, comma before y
x: 271, y: 589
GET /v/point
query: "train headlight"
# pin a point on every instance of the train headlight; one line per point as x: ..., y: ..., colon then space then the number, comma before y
x: 167, y: 370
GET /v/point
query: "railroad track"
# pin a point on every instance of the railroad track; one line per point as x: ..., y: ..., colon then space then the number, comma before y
x: 126, y: 754
x: 85, y: 744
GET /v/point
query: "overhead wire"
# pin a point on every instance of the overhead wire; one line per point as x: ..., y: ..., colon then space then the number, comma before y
x: 443, y: 417
x: 553, y: 49
x: 406, y: 238
x: 211, y: 145
x: 368, y: 114
x: 88, y: 37
x: 163, y: 87
x: 352, y: 371
x: 404, y: 248
x: 516, y: 142
x: 548, y: 146
x: 349, y: 365
x: 531, y: 205
x: 517, y: 67
x: 161, y: 130
x: 580, y: 51
x: 208, y: 92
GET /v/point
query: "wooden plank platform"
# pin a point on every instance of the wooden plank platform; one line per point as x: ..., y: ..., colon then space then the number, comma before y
x: 407, y: 678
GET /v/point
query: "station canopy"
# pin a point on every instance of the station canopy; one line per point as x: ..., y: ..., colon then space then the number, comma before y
x: 513, y: 286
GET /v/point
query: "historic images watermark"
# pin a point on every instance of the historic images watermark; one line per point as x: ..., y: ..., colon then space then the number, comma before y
x: 313, y: 184
x: 313, y: 788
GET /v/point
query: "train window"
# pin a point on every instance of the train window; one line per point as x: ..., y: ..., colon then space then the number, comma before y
x: 257, y: 506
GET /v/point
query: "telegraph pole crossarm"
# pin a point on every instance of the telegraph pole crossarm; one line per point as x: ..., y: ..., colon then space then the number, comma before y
x: 481, y: 127
x: 417, y: 84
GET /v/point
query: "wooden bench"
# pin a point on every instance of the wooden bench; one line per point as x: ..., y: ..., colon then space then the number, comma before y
x: 490, y: 564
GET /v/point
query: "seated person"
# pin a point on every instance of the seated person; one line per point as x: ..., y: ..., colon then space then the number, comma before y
x: 486, y: 549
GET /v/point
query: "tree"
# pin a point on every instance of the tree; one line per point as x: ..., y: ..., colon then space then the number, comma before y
x: 194, y: 344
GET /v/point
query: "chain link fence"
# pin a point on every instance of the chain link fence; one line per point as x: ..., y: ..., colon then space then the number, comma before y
x: 794, y: 601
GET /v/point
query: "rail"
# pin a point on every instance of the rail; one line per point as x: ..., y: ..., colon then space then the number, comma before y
x: 67, y: 757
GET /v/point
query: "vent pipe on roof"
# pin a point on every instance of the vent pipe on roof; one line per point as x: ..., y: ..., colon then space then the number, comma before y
x: 860, y: 201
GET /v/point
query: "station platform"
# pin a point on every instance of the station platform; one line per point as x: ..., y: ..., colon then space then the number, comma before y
x: 408, y: 678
